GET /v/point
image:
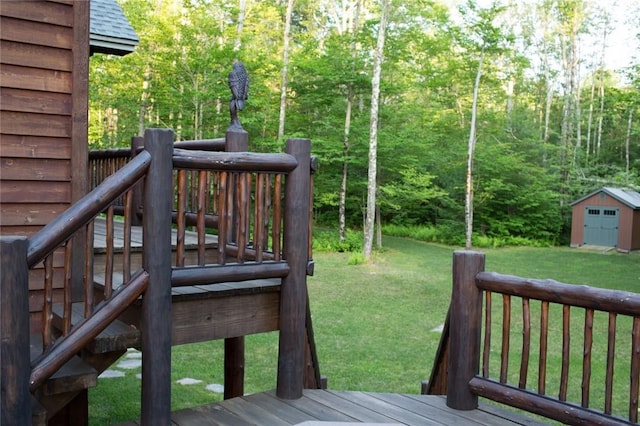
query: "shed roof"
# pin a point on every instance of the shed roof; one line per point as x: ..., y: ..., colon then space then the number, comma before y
x: 626, y: 196
x: 109, y: 30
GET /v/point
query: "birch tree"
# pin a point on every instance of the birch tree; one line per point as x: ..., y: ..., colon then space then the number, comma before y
x: 378, y: 58
x: 485, y: 38
x: 347, y: 125
x: 285, y: 68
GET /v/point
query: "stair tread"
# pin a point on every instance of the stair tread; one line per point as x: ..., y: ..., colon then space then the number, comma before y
x: 38, y: 413
x: 207, y: 291
x: 74, y: 375
x: 116, y: 337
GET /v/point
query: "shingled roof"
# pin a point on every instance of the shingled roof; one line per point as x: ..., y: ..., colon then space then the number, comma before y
x: 626, y: 196
x: 110, y: 31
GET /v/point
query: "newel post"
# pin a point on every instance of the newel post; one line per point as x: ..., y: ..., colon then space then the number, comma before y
x: 464, y: 329
x: 237, y: 140
x: 15, y: 368
x: 293, y: 294
x: 156, y: 302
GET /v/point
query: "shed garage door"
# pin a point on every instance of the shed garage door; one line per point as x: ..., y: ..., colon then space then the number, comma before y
x: 601, y: 226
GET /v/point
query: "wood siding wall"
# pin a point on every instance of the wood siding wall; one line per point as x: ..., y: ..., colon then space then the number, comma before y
x: 628, y: 225
x: 44, y: 58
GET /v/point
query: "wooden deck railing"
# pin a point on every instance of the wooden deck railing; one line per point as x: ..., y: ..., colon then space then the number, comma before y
x: 598, y: 378
x: 239, y: 196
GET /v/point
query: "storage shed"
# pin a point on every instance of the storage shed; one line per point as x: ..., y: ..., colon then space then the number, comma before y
x: 608, y: 217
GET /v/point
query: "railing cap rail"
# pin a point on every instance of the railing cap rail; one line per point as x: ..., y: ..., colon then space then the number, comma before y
x: 617, y: 301
x: 234, y: 161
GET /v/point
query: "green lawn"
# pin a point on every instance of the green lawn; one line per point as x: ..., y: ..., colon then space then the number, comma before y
x: 373, y: 322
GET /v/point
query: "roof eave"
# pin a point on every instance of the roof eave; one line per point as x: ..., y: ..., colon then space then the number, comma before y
x: 111, y: 45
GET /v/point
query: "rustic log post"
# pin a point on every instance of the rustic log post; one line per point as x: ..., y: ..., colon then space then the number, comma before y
x: 293, y: 293
x: 137, y: 143
x: 464, y: 330
x: 237, y: 140
x: 156, y: 302
x: 15, y: 368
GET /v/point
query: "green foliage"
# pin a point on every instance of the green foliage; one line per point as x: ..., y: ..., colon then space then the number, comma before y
x: 177, y: 78
x: 328, y: 240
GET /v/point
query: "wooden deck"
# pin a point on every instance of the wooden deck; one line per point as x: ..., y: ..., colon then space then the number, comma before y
x: 100, y: 237
x: 328, y: 407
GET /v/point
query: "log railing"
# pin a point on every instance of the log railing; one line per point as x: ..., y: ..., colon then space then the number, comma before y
x: 105, y: 162
x: 240, y: 196
x: 598, y: 378
x: 154, y: 163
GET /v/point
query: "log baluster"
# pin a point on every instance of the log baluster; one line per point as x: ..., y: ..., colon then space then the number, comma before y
x: 66, y: 289
x: 544, y: 337
x: 258, y: 221
x: 88, y: 270
x: 244, y: 201
x: 506, y: 334
x: 634, y: 385
x: 47, y: 312
x: 566, y: 345
x: 108, y: 266
x: 586, y: 356
x: 126, y: 249
x: 526, y: 342
x: 222, y: 215
x: 181, y: 227
x: 487, y: 335
x: 200, y: 216
x: 611, y: 353
x: 277, y: 218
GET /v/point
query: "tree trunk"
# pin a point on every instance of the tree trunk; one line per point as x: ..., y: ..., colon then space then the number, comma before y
x: 285, y: 69
x: 242, y: 6
x: 378, y: 58
x: 468, y: 205
x: 590, y: 119
x: 144, y: 99
x: 343, y: 184
x: 342, y: 207
x: 628, y: 138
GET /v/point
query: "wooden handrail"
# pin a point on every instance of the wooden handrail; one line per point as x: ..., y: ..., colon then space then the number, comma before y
x: 214, y: 274
x: 466, y: 382
x: 619, y: 302
x: 79, y: 214
x: 234, y: 161
x: 64, y: 349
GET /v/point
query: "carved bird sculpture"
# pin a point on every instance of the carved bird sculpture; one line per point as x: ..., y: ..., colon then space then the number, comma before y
x: 239, y: 85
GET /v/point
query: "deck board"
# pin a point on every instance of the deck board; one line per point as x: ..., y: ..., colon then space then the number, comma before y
x: 342, y: 407
x: 100, y: 237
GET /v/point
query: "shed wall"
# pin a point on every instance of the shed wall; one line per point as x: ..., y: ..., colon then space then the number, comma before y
x: 43, y: 131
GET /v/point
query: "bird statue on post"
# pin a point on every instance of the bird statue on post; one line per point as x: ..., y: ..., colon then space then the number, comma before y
x: 239, y: 85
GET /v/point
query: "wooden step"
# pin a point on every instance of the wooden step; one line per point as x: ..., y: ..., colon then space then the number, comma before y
x: 38, y: 413
x: 117, y: 337
x: 73, y: 376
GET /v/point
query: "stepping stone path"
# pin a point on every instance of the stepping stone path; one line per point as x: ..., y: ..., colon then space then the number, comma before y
x: 133, y: 360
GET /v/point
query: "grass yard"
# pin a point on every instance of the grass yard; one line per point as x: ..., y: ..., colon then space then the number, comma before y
x: 375, y: 324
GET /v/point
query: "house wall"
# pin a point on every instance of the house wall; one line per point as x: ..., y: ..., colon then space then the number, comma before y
x: 43, y: 126
x: 625, y: 224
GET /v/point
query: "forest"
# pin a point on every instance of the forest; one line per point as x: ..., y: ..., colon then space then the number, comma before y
x: 405, y: 88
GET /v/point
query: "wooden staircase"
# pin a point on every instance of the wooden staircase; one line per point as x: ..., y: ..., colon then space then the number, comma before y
x: 248, y: 278
x: 62, y: 400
